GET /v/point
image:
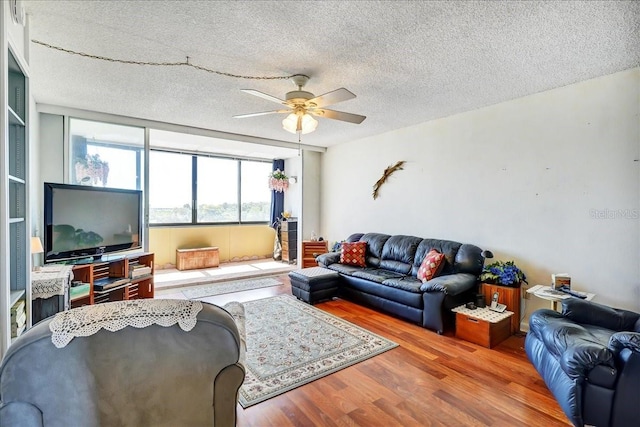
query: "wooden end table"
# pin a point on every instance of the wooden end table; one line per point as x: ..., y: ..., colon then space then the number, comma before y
x: 482, y: 326
x: 507, y: 295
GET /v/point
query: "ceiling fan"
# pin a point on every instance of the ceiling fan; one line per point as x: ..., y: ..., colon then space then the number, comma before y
x: 301, y: 105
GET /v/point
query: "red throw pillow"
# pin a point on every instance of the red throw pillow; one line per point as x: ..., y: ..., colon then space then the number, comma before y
x: 353, y: 253
x: 431, y: 265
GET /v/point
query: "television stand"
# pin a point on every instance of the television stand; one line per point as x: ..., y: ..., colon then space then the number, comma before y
x: 80, y: 261
x: 130, y: 277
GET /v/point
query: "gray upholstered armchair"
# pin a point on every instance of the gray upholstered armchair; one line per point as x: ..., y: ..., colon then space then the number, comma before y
x: 177, y: 367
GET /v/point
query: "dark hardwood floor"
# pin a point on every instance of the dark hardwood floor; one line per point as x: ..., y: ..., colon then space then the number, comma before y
x: 429, y: 380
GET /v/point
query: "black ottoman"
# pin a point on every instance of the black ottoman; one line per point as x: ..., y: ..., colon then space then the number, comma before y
x: 314, y: 284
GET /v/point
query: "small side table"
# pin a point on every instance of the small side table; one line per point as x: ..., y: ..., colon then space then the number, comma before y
x: 50, y: 290
x: 545, y: 292
x: 482, y: 326
x: 507, y: 295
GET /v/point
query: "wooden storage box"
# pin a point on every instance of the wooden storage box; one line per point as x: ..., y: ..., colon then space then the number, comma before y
x: 190, y: 259
x: 470, y: 327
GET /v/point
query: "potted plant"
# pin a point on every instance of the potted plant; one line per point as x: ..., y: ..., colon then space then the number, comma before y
x: 91, y: 169
x: 278, y: 181
x: 503, y: 273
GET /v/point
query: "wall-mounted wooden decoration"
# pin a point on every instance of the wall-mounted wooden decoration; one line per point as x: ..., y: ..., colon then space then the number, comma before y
x: 386, y: 174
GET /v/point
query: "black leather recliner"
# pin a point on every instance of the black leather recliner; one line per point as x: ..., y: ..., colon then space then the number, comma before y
x: 589, y: 357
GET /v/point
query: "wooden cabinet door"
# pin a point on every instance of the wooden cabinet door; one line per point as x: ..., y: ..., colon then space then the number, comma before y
x: 508, y: 296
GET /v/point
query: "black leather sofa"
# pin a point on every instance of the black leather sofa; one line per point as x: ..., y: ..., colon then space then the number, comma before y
x: 589, y: 357
x: 389, y: 282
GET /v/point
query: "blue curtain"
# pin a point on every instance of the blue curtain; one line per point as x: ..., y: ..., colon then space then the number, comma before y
x: 277, y: 199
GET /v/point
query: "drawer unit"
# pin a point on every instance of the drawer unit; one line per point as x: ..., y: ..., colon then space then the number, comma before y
x: 289, y: 240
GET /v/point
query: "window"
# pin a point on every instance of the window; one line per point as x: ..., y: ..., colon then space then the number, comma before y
x: 217, y: 189
x: 255, y: 194
x: 107, y: 155
x: 222, y: 190
x: 184, y: 188
x: 169, y: 188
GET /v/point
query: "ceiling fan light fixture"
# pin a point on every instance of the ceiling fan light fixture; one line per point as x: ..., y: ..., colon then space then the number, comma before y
x: 307, y: 123
x: 302, y: 105
x: 290, y: 123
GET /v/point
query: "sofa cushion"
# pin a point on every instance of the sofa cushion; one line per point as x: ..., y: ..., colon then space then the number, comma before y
x: 375, y: 243
x: 376, y: 274
x: 446, y: 247
x: 391, y: 293
x: 399, y: 252
x: 592, y: 313
x: 344, y: 269
x: 431, y: 266
x: 406, y: 283
x: 353, y: 253
x: 355, y: 237
x: 469, y: 259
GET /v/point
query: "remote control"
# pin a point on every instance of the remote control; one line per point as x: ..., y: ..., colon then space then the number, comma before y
x: 572, y: 293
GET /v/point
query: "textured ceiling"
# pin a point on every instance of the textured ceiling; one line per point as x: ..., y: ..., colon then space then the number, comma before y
x: 407, y: 62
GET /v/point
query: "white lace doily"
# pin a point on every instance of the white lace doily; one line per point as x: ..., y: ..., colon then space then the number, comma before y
x: 113, y: 316
x: 51, y: 280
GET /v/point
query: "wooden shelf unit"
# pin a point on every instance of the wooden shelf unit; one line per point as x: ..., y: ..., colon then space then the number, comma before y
x: 509, y: 296
x: 120, y: 268
x: 15, y: 260
x: 311, y: 249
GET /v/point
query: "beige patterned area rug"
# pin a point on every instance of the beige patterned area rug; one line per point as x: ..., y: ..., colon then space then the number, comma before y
x: 290, y: 343
x: 229, y: 287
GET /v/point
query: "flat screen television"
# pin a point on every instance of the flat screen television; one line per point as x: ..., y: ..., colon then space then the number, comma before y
x: 82, y: 221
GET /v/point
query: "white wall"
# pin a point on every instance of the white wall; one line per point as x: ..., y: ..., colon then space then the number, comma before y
x: 48, y: 161
x: 527, y: 179
x: 310, y: 181
x: 302, y: 199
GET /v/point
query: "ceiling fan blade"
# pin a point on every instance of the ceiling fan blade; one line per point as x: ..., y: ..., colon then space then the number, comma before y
x: 338, y: 115
x: 242, y: 116
x: 263, y: 95
x: 332, y: 97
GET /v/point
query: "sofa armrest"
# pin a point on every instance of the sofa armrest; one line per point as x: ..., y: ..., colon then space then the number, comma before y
x: 621, y: 340
x: 328, y: 258
x: 591, y: 313
x: 20, y: 414
x: 580, y: 358
x: 450, y: 284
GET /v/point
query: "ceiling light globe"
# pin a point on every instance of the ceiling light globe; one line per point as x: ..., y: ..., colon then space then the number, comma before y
x: 309, y: 124
x: 290, y: 123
